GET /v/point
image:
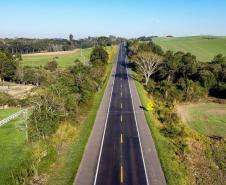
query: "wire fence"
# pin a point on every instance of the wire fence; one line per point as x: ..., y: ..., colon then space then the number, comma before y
x: 13, y: 116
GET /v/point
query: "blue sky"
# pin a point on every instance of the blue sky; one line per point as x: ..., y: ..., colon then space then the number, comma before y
x: 127, y: 18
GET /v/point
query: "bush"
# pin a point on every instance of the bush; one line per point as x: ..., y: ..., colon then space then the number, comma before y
x: 44, y: 120
x: 6, y: 99
x: 218, y: 149
x: 52, y: 66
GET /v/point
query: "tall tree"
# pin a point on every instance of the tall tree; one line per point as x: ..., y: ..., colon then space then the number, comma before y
x: 71, y: 39
x: 147, y: 63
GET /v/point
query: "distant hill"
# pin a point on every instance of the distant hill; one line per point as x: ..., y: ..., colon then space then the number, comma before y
x: 204, y: 47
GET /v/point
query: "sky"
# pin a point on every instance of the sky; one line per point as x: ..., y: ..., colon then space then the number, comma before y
x: 125, y: 18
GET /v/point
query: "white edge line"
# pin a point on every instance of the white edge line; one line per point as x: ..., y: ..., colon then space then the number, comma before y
x: 137, y: 130
x: 105, y: 126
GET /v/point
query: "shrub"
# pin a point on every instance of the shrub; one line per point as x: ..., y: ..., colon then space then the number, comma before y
x: 52, y: 66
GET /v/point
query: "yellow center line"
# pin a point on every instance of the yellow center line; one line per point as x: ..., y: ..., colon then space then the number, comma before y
x: 121, y: 140
x: 121, y: 174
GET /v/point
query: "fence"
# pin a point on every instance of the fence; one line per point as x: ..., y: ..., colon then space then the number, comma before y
x: 12, y: 117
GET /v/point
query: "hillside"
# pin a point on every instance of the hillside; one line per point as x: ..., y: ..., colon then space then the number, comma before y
x: 204, y: 47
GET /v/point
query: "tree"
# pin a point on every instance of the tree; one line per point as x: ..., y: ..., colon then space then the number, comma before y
x: 207, y: 79
x: 188, y: 65
x: 44, y: 120
x: 148, y: 63
x: 165, y: 87
x: 71, y: 39
x: 104, y: 41
x: 8, y: 66
x: 219, y: 59
x: 169, y: 66
x: 99, y: 53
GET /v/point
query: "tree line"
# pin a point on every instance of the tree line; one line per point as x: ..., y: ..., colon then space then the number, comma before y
x: 25, y: 45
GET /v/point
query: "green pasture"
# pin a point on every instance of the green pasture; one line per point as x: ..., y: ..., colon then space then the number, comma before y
x: 63, y: 60
x: 203, y: 47
x: 207, y: 118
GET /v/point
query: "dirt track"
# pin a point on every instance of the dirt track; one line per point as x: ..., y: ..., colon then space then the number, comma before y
x: 52, y: 53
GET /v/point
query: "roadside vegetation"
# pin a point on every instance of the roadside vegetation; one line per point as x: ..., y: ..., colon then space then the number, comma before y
x: 203, y: 47
x: 63, y: 104
x: 14, y: 154
x: 187, y: 156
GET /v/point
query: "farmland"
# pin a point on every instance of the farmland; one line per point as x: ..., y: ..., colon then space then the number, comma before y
x: 206, y: 118
x: 64, y: 59
x: 203, y: 47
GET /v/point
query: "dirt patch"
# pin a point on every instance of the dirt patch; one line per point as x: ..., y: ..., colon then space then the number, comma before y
x: 52, y: 53
x: 217, y: 111
x: 182, y: 112
x: 40, y: 180
x: 16, y: 90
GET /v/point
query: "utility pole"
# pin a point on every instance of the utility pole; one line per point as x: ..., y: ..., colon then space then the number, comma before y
x: 81, y: 50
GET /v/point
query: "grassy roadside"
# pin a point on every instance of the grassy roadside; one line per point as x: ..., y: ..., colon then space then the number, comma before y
x: 65, y: 169
x: 174, y: 171
x: 13, y: 149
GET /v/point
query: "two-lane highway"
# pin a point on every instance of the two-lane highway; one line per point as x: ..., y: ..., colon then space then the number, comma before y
x: 121, y: 159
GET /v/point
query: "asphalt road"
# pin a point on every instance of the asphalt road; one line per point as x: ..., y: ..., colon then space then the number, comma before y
x: 121, y: 160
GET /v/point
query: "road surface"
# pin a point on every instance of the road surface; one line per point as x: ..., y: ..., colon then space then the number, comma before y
x: 121, y: 159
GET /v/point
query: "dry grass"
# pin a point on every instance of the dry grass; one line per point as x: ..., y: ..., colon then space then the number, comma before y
x: 52, y: 53
x: 16, y: 90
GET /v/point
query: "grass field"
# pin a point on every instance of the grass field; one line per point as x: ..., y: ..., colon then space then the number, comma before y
x: 4, y: 113
x: 12, y: 147
x: 63, y: 59
x: 206, y: 118
x: 203, y: 47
